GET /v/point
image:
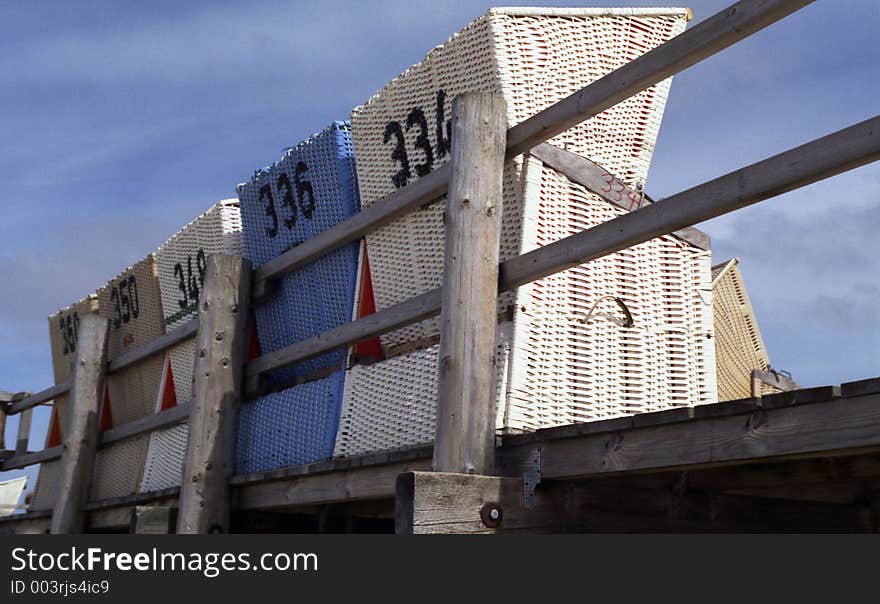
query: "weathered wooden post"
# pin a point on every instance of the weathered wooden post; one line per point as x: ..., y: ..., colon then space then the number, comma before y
x: 221, y: 343
x: 81, y: 435
x: 24, y: 431
x: 465, y: 434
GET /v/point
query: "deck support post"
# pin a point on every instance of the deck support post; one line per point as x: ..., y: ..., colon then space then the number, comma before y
x: 81, y: 435
x: 465, y: 432
x: 221, y: 343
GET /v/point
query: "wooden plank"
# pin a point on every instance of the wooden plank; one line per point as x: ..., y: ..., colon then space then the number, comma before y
x: 599, y: 181
x: 843, y: 150
x: 355, y: 484
x: 24, y: 432
x: 172, y: 416
x: 163, y: 342
x: 81, y: 437
x: 39, y: 398
x: 394, y: 317
x: 869, y: 386
x: 697, y: 43
x: 465, y: 427
x: 169, y: 417
x: 700, y: 42
x: 29, y: 459
x: 434, y: 502
x: 221, y: 344
x: 835, y: 427
x: 774, y: 379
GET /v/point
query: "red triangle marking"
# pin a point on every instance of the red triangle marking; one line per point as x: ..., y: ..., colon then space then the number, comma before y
x: 169, y: 395
x: 367, y: 306
x: 54, y: 430
x: 253, y: 342
x: 106, y: 412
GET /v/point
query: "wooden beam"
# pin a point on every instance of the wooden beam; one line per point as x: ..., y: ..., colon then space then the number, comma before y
x: 29, y: 459
x: 343, y: 485
x: 81, y: 437
x: 597, y: 179
x: 38, y: 398
x: 388, y: 319
x: 843, y: 150
x: 841, y: 426
x: 701, y: 41
x: 434, y: 502
x: 465, y: 428
x: 169, y: 417
x: 24, y: 432
x: 221, y: 344
x: 774, y: 379
x: 163, y: 342
x: 711, y: 36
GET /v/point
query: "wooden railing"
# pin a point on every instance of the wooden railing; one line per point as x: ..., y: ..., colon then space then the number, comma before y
x: 843, y: 150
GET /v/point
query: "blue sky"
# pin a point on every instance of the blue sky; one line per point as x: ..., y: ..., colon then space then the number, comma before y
x: 122, y: 121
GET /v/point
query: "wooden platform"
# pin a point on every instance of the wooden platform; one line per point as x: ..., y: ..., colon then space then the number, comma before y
x: 806, y: 460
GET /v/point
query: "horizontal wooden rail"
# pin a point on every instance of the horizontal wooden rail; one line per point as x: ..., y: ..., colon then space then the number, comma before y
x: 163, y: 419
x: 29, y: 459
x: 700, y: 42
x: 127, y: 359
x: 169, y: 417
x: 819, y: 159
x: 163, y: 342
x: 843, y: 150
x: 38, y: 398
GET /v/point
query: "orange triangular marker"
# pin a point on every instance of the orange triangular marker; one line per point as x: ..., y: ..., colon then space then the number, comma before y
x: 54, y: 430
x: 253, y: 342
x: 106, y: 413
x: 366, y: 305
x: 169, y: 395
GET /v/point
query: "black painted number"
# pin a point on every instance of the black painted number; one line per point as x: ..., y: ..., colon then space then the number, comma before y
x: 296, y: 198
x: 416, y: 118
x: 69, y: 326
x: 189, y: 282
x: 124, y: 297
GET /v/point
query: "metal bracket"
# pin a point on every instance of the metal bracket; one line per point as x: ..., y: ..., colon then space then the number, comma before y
x: 531, y: 477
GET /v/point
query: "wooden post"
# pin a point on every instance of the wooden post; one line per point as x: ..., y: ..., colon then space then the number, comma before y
x: 24, y: 431
x: 81, y: 435
x: 465, y: 434
x: 221, y: 343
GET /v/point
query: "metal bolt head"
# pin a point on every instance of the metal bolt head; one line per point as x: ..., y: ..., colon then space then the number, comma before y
x: 491, y: 514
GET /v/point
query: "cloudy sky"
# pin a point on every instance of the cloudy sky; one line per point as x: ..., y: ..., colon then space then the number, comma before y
x: 121, y: 121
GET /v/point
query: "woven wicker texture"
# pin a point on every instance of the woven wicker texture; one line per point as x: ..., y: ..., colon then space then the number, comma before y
x: 133, y: 304
x: 573, y: 360
x: 63, y: 327
x: 534, y: 57
x: 394, y: 403
x: 290, y: 427
x: 571, y: 356
x: 311, y: 189
x: 739, y: 347
x: 182, y: 261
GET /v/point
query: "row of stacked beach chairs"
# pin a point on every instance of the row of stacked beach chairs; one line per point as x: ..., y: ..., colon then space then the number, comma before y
x: 566, y: 351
